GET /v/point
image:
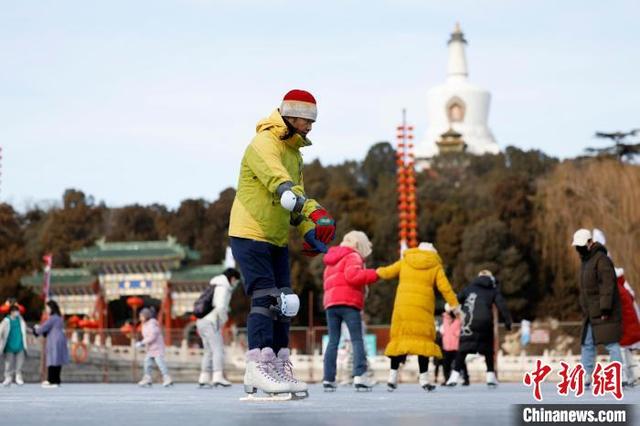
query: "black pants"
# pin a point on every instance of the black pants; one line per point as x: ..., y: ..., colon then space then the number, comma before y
x: 423, y: 362
x: 488, y: 357
x: 53, y: 374
x: 448, y: 357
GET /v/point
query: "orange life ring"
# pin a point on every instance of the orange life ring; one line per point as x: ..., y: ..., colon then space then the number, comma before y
x: 79, y: 352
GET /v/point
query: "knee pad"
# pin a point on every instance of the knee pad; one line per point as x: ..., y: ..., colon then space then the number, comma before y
x: 283, y: 303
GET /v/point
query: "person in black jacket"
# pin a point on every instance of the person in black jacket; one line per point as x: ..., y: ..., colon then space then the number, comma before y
x: 476, y: 335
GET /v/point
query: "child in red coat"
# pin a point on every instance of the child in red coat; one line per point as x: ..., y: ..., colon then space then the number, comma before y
x: 345, y: 281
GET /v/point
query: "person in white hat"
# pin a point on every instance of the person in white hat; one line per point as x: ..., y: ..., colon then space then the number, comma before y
x: 599, y: 301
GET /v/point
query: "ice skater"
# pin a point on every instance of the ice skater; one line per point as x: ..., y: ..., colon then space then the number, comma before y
x: 413, y: 330
x: 210, y: 326
x: 345, y: 282
x: 270, y: 198
x: 57, y: 353
x: 476, y: 335
x: 153, y: 342
x: 450, y: 340
x: 13, y: 344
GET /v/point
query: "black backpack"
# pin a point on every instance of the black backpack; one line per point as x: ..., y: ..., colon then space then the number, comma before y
x: 203, y: 305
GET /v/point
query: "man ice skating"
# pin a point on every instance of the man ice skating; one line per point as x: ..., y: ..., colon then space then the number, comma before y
x: 270, y: 197
x: 599, y: 300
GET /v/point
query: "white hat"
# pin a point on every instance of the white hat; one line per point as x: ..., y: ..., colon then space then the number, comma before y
x: 581, y: 237
x: 427, y: 247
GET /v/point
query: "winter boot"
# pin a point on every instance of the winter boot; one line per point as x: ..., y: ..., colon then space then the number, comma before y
x: 219, y: 380
x: 260, y: 373
x: 492, y: 380
x: 425, y: 383
x: 453, y: 378
x: 329, y: 386
x: 7, y: 382
x: 166, y: 381
x: 363, y: 383
x: 146, y: 381
x: 284, y: 369
x: 392, y: 383
x: 19, y: 379
x: 204, y: 379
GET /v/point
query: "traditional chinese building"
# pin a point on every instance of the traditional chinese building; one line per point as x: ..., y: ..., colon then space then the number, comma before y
x: 160, y: 272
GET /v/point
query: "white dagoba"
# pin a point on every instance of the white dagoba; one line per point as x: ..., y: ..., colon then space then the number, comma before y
x: 459, y: 106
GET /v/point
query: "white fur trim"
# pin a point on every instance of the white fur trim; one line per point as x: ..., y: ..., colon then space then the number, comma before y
x: 299, y: 109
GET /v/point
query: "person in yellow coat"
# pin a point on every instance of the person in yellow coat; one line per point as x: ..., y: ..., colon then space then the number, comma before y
x: 412, y: 323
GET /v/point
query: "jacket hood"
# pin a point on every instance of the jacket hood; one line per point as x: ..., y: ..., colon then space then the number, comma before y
x: 484, y: 281
x: 276, y: 125
x: 336, y: 254
x: 422, y: 259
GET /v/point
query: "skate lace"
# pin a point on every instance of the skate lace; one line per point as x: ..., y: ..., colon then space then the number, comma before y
x: 287, y: 371
x: 268, y: 369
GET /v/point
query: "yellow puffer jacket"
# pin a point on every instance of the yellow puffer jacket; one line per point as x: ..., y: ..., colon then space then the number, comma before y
x: 413, y: 330
x: 268, y: 162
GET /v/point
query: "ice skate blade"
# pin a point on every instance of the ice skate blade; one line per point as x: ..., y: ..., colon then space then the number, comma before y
x: 299, y: 395
x: 204, y: 386
x: 492, y: 385
x: 145, y: 385
x: 429, y: 388
x: 363, y: 388
x: 221, y: 385
x: 391, y: 387
x: 252, y: 397
x: 329, y: 389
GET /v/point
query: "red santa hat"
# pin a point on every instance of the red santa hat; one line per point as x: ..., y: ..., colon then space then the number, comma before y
x: 300, y: 104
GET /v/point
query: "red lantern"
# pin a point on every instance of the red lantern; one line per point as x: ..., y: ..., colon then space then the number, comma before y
x: 135, y: 302
x: 73, y: 321
x: 6, y: 306
x: 126, y: 329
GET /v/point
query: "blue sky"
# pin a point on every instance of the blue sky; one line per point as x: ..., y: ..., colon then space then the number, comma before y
x: 155, y: 101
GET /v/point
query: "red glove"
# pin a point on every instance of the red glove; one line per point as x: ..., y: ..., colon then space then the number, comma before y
x: 325, y: 225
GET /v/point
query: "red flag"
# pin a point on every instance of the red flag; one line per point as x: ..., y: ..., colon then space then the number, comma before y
x: 48, y: 261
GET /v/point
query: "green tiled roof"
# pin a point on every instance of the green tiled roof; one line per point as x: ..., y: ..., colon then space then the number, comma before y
x: 67, y: 276
x: 201, y: 273
x: 104, y: 251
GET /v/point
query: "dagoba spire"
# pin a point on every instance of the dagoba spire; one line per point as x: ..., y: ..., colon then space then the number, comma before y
x: 457, y: 67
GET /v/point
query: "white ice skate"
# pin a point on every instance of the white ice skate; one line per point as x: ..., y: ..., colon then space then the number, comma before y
x: 166, y: 381
x: 363, y: 383
x: 392, y: 383
x: 492, y: 380
x: 329, y: 386
x: 47, y: 385
x: 19, y: 380
x: 260, y: 374
x: 454, y: 378
x: 219, y: 380
x: 204, y: 381
x: 146, y: 381
x: 425, y: 383
x: 284, y: 368
x: 7, y: 382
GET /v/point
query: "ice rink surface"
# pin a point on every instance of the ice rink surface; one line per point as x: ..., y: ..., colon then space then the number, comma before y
x: 186, y: 405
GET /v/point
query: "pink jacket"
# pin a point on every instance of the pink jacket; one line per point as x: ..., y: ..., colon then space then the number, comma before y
x: 450, y: 333
x: 152, y: 338
x: 345, y: 278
